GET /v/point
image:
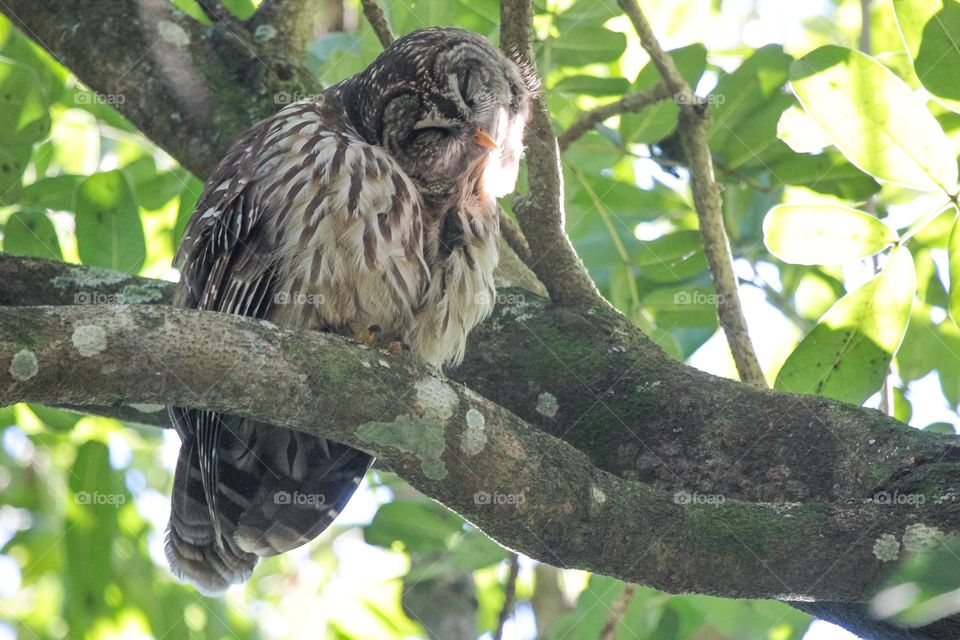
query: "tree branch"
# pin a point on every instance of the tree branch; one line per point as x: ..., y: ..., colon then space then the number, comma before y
x: 541, y: 211
x: 453, y: 445
x: 378, y: 20
x: 630, y: 103
x: 692, y: 126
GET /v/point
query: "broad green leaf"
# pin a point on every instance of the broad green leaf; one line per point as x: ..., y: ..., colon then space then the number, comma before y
x: 422, y: 527
x: 828, y: 172
x: 747, y: 91
x: 593, y: 86
x: 931, y: 30
x: 585, y: 45
x: 848, y: 353
x: 109, y: 231
x: 29, y: 232
x: 953, y: 252
x: 56, y: 193
x: 657, y: 121
x: 874, y: 118
x: 13, y: 161
x: 672, y: 257
x: 824, y: 234
x: 24, y: 111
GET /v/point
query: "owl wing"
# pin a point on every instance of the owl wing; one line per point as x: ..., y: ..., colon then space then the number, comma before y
x: 296, y: 202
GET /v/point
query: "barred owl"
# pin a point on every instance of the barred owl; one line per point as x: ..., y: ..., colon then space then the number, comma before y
x: 366, y: 211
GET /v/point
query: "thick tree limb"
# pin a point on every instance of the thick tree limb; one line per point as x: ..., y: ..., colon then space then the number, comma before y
x: 631, y: 103
x: 191, y: 88
x: 541, y: 211
x: 597, y: 382
x: 692, y: 127
x: 453, y: 445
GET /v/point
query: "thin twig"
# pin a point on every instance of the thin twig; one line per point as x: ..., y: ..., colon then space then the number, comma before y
x: 617, y: 612
x: 631, y: 103
x: 692, y: 126
x: 378, y: 20
x: 513, y: 234
x: 509, y: 595
x: 540, y: 212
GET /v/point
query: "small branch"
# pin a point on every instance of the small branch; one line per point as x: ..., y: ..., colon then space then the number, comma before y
x: 617, y: 612
x: 632, y: 103
x: 692, y: 126
x: 509, y: 594
x: 541, y: 211
x: 513, y: 234
x: 378, y: 20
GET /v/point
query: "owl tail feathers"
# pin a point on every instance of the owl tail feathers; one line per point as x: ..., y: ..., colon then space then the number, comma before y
x: 275, y: 490
x: 194, y: 551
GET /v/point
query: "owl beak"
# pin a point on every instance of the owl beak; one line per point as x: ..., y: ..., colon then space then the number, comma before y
x: 484, y: 139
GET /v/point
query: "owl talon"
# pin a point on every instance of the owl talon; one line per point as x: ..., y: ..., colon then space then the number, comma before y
x: 400, y: 349
x: 371, y: 336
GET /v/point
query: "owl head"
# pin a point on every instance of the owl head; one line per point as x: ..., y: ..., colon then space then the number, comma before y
x: 449, y: 107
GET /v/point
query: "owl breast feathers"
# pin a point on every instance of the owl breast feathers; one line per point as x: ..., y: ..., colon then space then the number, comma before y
x: 371, y: 205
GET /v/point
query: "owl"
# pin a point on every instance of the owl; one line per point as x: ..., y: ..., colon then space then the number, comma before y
x: 367, y: 211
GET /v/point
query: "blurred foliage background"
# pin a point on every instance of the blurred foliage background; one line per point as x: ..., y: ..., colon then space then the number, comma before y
x: 85, y: 499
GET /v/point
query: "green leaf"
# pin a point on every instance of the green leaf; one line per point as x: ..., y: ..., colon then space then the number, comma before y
x: 29, y: 232
x: 24, y: 111
x: 848, y: 353
x: 13, y: 162
x: 824, y: 234
x: 930, y: 29
x: 585, y: 45
x: 657, y: 121
x: 672, y: 257
x: 827, y: 172
x: 874, y: 118
x: 422, y: 527
x: 56, y: 193
x: 953, y: 253
x: 109, y: 231
x: 593, y: 86
x: 748, y: 91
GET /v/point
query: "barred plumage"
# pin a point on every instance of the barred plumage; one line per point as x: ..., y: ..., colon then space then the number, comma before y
x: 371, y: 205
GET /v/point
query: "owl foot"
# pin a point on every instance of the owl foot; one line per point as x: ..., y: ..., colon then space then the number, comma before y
x: 373, y: 336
